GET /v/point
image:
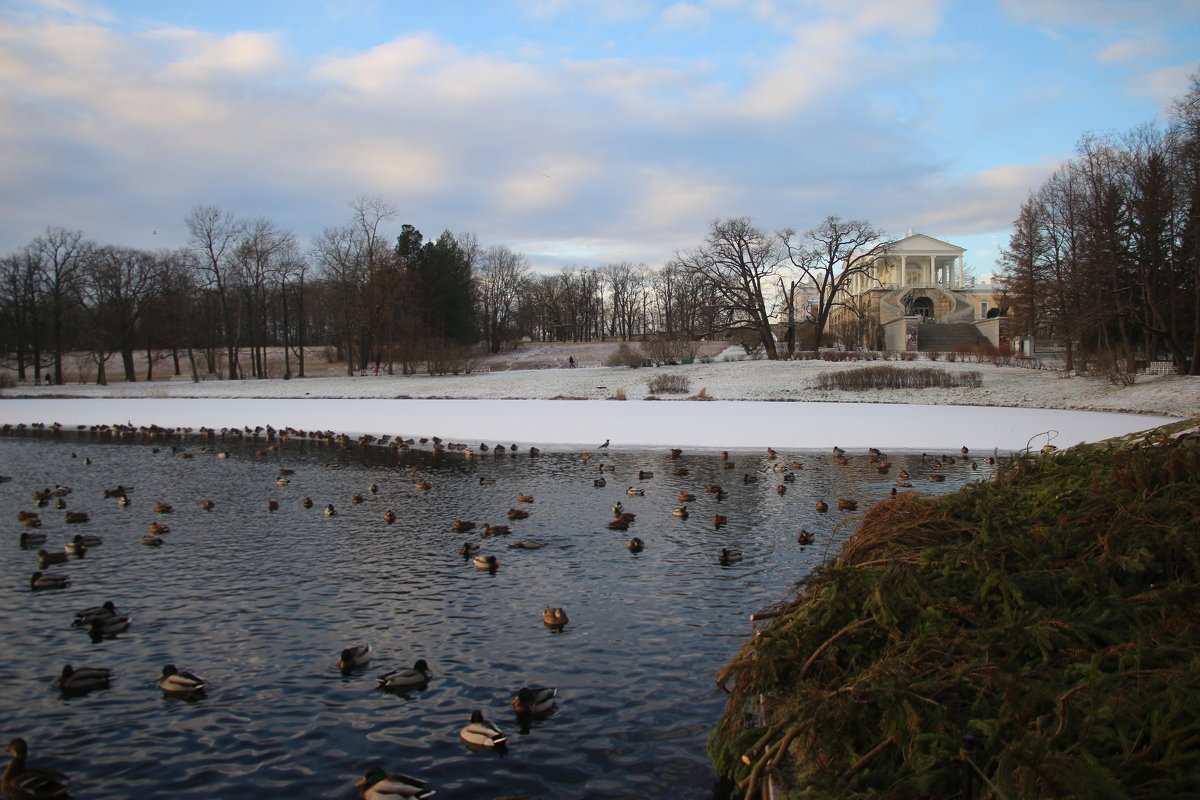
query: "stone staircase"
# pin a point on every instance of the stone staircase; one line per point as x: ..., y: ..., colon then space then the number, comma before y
x: 943, y: 338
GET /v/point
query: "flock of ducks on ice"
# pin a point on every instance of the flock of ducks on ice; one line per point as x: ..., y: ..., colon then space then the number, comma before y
x: 105, y: 621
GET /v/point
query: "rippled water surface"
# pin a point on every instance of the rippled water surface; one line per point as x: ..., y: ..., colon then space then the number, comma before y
x: 260, y: 603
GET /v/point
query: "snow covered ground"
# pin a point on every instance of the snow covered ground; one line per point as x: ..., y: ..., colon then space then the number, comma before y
x: 1014, y: 408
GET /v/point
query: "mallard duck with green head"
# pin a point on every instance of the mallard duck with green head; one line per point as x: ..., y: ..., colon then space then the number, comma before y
x: 380, y: 785
x: 352, y: 658
x: 175, y: 681
x: 538, y: 701
x: 480, y: 732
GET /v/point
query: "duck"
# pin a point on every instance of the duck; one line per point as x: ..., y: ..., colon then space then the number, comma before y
x: 599, y: 483
x: 357, y: 497
x: 462, y: 525
x: 83, y: 680
x: 635, y: 545
x: 380, y: 785
x: 517, y: 513
x: 30, y: 539
x: 352, y: 658
x: 687, y: 497
x: 822, y: 506
x: 468, y: 549
x: 330, y: 511
x: 804, y: 537
x: 423, y: 485
x: 306, y: 502
x: 635, y: 491
x: 847, y: 505
x: 645, y: 474
x: 524, y: 498
x: 158, y: 528
x: 407, y: 678
x: 555, y: 617
x: 496, y: 530
x: 797, y: 465
x: 490, y: 563
x: 486, y: 481
x: 729, y: 556
x: 40, y: 581
x: 719, y: 519
x: 618, y: 524
x: 481, y: 732
x: 389, y: 516
x: 780, y: 489
x: 779, y: 468
x: 680, y: 472
x: 207, y: 505
x: 30, y: 783
x: 282, y: 481
x: 526, y: 544
x: 87, y: 615
x: 163, y: 508
x: 535, y: 701
x: 106, y: 627
x: 681, y: 512
x: 180, y: 682
x: 46, y: 558
x: 937, y: 478
x: 76, y: 517
x: 29, y: 519
x: 152, y: 541
x: 272, y: 505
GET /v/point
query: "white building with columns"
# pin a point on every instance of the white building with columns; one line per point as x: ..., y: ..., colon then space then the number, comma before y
x: 919, y: 281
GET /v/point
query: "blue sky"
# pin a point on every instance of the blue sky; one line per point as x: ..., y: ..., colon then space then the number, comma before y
x: 578, y: 132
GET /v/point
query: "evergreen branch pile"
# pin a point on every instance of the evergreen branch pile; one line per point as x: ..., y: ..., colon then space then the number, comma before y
x: 1032, y: 637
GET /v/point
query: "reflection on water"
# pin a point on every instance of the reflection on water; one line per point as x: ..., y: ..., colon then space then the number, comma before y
x: 260, y: 603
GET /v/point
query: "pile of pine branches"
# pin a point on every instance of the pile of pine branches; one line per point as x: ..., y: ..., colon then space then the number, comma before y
x: 1036, y: 636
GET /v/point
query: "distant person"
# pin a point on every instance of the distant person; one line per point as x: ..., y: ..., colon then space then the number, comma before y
x: 571, y: 361
x: 377, y: 370
x: 48, y: 380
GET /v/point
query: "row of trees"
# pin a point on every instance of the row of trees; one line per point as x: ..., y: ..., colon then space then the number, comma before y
x: 1105, y: 255
x: 244, y: 288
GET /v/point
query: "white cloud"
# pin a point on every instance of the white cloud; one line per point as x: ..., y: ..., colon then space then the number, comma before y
x: 1166, y: 84
x: 685, y: 16
x: 1129, y: 50
x: 203, y: 56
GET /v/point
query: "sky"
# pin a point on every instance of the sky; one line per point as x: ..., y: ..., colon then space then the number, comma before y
x: 576, y: 132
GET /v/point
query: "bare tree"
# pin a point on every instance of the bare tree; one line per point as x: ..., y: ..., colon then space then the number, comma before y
x: 60, y: 255
x: 121, y: 284
x: 828, y: 257
x: 500, y: 280
x: 214, y: 238
x: 738, y: 261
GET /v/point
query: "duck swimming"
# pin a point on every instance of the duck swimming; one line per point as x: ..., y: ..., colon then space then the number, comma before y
x: 526, y: 544
x: 729, y: 556
x: 29, y: 783
x: 352, y: 658
x: 380, y: 785
x: 635, y: 545
x: 39, y: 581
x: 102, y: 628
x: 86, y: 616
x: 46, y: 558
x: 180, y: 682
x: 83, y: 680
x: 416, y: 677
x: 555, y: 617
x: 481, y: 732
x: 490, y: 563
x: 535, y: 702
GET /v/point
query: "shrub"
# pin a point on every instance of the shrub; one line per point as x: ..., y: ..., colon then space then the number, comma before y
x: 889, y: 377
x: 669, y: 384
x: 908, y: 355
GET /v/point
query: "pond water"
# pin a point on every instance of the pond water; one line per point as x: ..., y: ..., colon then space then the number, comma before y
x: 261, y: 602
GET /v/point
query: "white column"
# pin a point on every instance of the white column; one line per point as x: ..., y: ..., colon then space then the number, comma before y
x: 903, y: 271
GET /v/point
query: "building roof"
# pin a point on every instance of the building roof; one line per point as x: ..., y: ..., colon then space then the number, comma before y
x: 921, y: 243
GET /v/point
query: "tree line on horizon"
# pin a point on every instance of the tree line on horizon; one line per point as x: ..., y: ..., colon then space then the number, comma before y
x: 1104, y: 257
x: 243, y: 288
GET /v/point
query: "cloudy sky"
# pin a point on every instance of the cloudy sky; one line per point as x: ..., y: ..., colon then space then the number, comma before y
x: 575, y: 131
